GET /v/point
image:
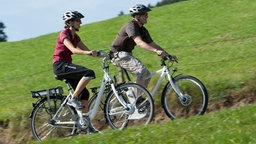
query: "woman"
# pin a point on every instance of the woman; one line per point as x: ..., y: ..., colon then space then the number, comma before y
x: 69, y: 43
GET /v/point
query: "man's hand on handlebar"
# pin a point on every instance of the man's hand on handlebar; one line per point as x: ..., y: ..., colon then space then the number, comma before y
x: 165, y: 55
x: 172, y: 58
x: 161, y: 53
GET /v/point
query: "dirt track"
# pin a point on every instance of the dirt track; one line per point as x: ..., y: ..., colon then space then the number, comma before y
x: 235, y: 99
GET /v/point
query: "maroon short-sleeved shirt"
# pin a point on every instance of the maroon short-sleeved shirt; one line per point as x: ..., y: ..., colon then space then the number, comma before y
x: 124, y: 40
x: 62, y: 53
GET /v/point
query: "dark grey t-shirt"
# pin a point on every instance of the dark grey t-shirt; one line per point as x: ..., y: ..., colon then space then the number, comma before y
x: 124, y: 41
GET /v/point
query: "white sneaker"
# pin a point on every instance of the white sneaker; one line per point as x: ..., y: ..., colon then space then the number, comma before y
x: 75, y: 103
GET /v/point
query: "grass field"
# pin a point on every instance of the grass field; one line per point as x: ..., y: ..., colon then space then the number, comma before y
x: 213, y: 40
x: 232, y: 126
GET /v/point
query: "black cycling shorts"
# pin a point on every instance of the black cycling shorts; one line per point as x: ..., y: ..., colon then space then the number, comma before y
x: 73, y: 73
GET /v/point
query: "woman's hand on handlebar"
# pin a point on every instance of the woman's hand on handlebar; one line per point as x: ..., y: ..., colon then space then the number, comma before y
x: 93, y: 53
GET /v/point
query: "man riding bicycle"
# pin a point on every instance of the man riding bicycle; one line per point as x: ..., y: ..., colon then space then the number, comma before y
x: 131, y: 34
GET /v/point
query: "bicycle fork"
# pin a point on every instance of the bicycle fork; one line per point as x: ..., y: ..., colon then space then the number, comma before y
x: 185, y: 99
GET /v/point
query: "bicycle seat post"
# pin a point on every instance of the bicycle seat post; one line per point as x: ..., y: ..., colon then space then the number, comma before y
x: 67, y: 84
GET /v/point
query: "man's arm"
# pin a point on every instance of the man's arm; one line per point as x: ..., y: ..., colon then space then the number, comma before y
x: 153, y: 47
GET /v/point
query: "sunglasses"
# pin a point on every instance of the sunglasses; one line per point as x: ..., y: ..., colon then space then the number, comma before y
x: 78, y: 20
x: 145, y: 14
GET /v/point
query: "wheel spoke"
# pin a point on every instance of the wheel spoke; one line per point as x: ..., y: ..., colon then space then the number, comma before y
x: 193, y: 102
x: 119, y: 117
x: 42, y: 125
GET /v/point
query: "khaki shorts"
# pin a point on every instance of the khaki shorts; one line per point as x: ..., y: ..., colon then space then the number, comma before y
x: 126, y: 61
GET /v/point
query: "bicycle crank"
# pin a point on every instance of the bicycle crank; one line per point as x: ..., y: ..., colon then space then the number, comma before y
x: 82, y: 121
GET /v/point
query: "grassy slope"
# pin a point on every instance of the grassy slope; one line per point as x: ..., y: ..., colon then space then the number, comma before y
x: 214, y: 41
x: 232, y: 126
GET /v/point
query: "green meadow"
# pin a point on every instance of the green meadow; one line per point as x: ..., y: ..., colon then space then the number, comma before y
x: 214, y: 41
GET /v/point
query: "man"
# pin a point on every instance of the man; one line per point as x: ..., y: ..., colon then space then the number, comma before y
x: 131, y: 34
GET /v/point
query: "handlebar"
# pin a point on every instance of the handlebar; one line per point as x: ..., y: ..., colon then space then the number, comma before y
x: 170, y: 58
x: 105, y: 56
x: 101, y: 53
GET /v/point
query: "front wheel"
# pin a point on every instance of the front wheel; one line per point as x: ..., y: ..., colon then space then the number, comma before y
x: 99, y: 122
x: 193, y: 102
x: 139, y: 108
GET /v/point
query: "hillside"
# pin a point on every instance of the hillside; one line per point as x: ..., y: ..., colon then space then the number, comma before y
x: 214, y: 41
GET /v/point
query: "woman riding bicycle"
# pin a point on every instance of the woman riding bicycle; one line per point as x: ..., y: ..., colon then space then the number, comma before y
x: 69, y: 43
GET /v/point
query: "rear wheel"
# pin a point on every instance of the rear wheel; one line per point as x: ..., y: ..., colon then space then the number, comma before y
x: 43, y: 127
x: 193, y: 102
x: 140, y: 106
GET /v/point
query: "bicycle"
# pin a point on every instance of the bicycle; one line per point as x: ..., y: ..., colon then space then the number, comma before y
x: 52, y: 117
x: 183, y: 95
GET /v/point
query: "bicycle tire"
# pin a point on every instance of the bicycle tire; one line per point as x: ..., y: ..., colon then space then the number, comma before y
x: 195, y: 102
x: 118, y: 117
x: 99, y: 122
x: 41, y: 115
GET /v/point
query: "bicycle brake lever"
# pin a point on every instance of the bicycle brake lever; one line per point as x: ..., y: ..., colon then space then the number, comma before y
x: 172, y: 58
x: 175, y: 59
x: 101, y: 53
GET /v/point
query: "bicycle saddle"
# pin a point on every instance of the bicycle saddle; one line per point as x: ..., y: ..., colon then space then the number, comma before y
x: 59, y: 78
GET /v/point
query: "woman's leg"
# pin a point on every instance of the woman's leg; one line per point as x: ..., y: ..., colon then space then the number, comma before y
x: 80, y: 86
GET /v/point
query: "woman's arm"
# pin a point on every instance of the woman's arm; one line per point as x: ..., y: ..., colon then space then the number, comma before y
x: 82, y: 48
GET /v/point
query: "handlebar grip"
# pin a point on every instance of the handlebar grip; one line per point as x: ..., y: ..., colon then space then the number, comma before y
x: 172, y: 58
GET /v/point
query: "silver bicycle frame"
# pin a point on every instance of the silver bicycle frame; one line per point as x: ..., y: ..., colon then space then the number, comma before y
x: 92, y: 113
x: 164, y: 71
x: 106, y: 78
x: 61, y: 106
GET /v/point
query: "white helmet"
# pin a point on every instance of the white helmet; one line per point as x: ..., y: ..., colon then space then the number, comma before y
x: 71, y: 15
x: 139, y: 9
